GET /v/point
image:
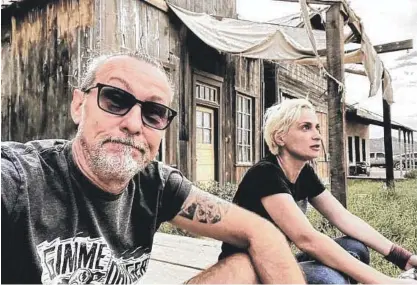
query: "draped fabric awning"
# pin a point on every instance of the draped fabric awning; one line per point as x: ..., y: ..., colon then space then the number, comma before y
x: 251, y: 39
x: 279, y: 43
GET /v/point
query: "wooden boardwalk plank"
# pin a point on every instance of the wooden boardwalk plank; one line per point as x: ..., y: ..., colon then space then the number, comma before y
x: 175, y: 259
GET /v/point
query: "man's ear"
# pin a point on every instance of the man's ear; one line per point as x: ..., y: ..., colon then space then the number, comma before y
x: 278, y: 139
x: 76, y: 105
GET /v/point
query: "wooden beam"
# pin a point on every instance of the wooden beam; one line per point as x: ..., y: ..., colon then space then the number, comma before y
x: 336, y: 105
x: 390, y: 47
x: 357, y: 72
x: 394, y: 46
x: 320, y: 2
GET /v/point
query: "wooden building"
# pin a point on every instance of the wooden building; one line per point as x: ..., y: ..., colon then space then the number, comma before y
x: 220, y: 97
x: 357, y: 138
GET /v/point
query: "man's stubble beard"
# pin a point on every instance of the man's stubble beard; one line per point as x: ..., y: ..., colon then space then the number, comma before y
x: 119, y: 166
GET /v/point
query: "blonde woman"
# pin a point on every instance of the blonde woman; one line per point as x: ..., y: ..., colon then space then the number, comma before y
x: 272, y: 187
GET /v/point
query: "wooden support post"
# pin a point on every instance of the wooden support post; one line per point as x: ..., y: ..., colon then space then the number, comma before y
x: 409, y: 159
x: 334, y: 46
x: 413, y: 155
x: 401, y: 155
x: 405, y: 150
x: 389, y: 161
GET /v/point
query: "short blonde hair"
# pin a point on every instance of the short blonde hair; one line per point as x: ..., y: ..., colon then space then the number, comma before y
x: 279, y: 118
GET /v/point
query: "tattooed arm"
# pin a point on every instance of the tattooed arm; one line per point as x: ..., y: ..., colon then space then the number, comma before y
x: 207, y: 215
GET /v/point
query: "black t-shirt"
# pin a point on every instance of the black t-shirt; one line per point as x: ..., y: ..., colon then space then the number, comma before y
x: 267, y: 178
x: 58, y: 227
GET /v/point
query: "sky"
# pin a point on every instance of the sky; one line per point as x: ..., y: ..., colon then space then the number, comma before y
x: 384, y: 21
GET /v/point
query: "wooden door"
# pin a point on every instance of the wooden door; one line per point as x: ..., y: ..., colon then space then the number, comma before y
x: 205, y: 144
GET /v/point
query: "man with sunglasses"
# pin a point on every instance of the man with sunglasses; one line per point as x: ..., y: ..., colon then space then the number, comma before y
x: 86, y: 210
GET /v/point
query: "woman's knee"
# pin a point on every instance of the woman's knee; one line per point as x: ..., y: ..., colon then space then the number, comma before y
x: 356, y: 248
x: 317, y: 273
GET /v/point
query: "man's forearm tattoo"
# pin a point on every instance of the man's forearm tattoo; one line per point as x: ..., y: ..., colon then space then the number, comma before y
x: 204, y: 208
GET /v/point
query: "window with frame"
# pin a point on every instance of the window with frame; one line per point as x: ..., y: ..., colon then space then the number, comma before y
x: 244, y: 129
x: 205, y: 92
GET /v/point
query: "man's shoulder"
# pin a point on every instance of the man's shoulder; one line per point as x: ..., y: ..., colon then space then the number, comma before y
x: 30, y: 153
x: 35, y: 146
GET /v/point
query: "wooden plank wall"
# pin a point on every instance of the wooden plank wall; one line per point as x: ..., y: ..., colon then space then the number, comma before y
x: 223, y: 8
x: 41, y: 61
x: 303, y: 81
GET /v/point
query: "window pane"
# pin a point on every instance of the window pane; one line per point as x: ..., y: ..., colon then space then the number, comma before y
x: 239, y: 120
x: 199, y: 119
x: 212, y: 95
x: 239, y: 136
x: 199, y: 135
x: 245, y: 122
x: 206, y: 93
x: 197, y: 90
x: 248, y: 109
x: 207, y: 136
x: 245, y: 154
x: 201, y: 96
x: 207, y: 120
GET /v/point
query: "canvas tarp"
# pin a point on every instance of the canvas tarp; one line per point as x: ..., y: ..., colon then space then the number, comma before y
x: 251, y: 39
x: 278, y: 43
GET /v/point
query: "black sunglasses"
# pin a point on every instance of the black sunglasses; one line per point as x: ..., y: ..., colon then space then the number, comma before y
x: 117, y: 101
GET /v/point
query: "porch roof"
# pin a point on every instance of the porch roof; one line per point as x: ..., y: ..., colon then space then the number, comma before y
x: 364, y: 116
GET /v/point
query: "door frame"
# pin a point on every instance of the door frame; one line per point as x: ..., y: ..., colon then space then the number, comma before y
x: 216, y: 82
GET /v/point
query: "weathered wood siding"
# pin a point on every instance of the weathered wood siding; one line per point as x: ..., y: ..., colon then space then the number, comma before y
x: 43, y: 53
x: 223, y: 8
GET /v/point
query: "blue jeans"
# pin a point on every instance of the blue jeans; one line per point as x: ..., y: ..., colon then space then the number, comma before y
x: 318, y: 273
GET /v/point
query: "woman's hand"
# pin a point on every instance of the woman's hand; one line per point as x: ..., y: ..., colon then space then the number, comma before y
x: 412, y: 262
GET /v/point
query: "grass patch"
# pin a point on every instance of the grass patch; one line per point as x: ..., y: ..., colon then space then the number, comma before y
x: 392, y: 213
x: 412, y: 174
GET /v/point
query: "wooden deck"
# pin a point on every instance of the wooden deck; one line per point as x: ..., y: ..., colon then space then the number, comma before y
x: 175, y: 259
